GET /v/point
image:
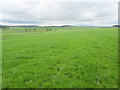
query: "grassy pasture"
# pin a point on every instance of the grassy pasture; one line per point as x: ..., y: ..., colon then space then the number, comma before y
x: 69, y: 57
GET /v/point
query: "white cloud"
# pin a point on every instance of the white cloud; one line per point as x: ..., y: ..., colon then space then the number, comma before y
x: 58, y: 12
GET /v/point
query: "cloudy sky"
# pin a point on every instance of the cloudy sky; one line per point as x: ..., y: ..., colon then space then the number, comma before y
x: 59, y: 12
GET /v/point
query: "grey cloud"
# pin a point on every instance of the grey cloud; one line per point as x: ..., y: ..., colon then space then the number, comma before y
x: 49, y: 12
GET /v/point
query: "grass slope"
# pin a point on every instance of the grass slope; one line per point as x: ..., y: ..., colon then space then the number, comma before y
x: 66, y: 58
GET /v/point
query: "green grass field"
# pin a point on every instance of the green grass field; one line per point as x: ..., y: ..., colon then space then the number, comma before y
x: 69, y: 57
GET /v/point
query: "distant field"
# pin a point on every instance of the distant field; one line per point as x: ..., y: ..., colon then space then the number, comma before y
x: 69, y: 57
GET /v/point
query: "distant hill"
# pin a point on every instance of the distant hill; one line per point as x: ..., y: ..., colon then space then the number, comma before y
x: 58, y: 26
x: 1, y: 26
x: 116, y: 25
x: 28, y: 26
x: 66, y: 26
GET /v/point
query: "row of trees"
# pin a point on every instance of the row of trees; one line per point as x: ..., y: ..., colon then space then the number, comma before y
x: 4, y: 27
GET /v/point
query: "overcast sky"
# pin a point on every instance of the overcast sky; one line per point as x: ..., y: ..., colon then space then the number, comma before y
x: 59, y: 12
